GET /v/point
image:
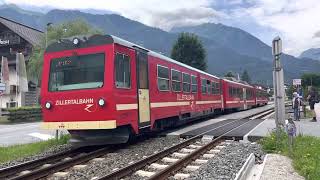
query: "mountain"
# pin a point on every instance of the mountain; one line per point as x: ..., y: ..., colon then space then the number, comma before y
x: 313, y: 53
x: 228, y: 49
x: 234, y: 38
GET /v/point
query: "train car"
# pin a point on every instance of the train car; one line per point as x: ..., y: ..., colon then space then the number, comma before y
x: 103, y: 90
x: 262, y: 97
x: 237, y: 95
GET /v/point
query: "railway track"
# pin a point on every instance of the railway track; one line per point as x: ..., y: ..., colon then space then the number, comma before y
x: 49, y: 165
x: 172, y: 160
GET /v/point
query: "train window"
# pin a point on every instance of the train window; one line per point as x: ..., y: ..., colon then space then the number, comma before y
x: 209, y: 87
x: 163, y: 78
x: 215, y: 88
x: 203, y: 86
x: 77, y: 72
x: 194, y: 84
x: 176, y: 80
x: 122, y: 71
x: 186, y: 82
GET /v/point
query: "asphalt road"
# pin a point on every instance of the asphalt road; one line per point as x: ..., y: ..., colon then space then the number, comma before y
x: 23, y: 133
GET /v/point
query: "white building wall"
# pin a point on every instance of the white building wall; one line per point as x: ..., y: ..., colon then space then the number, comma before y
x: 12, y: 96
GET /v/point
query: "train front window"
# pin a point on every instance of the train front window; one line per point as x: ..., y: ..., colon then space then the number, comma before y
x: 77, y: 72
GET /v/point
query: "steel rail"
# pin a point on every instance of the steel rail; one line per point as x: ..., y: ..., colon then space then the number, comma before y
x: 150, y: 159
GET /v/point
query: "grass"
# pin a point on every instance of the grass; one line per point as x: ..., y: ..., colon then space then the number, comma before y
x: 305, y: 153
x: 4, y: 120
x: 24, y: 150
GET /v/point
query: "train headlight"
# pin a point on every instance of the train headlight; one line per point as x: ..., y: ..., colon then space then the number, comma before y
x: 101, y: 102
x: 48, y: 105
x: 76, y: 41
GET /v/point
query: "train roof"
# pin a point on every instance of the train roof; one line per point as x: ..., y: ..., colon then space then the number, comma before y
x: 85, y: 41
x: 123, y: 42
x: 234, y: 82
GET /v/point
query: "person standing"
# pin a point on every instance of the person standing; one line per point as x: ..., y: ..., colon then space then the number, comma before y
x: 313, y: 98
x: 296, y: 102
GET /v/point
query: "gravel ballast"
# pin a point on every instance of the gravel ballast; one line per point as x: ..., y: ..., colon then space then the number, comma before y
x: 121, y: 158
x: 49, y: 152
x: 226, y: 164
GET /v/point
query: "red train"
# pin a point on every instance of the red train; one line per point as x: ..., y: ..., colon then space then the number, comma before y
x: 103, y: 89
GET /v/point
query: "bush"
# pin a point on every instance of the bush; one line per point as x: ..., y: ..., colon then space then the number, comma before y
x: 25, y: 114
x: 305, y: 152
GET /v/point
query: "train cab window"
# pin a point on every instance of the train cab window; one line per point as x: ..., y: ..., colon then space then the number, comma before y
x: 176, y: 80
x: 186, y: 82
x: 194, y: 84
x: 122, y: 71
x: 163, y: 78
x: 209, y: 87
x: 203, y: 86
x: 77, y: 72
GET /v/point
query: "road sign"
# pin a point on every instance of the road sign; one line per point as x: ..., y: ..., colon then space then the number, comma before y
x: 296, y: 82
x: 2, y: 86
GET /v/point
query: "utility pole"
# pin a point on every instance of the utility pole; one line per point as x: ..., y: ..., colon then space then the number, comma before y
x: 278, y: 85
x: 48, y: 25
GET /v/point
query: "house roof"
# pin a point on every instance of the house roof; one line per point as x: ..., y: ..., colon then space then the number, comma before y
x: 32, y: 35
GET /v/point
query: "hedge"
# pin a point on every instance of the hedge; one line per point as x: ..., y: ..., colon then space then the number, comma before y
x: 25, y: 114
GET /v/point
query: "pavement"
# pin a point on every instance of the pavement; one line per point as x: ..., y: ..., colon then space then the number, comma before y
x: 22, y: 133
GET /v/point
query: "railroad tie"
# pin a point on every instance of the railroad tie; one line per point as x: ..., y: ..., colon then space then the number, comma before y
x: 144, y: 173
x: 191, y: 168
x: 24, y: 172
x: 179, y: 176
x: 194, y: 146
x: 179, y: 155
x: 61, y: 174
x: 185, y: 150
x: 169, y: 160
x: 208, y: 156
x: 200, y: 161
x: 80, y: 166
x: 158, y: 166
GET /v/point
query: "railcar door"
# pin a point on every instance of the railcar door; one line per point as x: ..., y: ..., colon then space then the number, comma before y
x: 143, y: 88
x: 245, y: 98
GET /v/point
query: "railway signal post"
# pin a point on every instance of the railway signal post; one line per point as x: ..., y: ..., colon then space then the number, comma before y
x: 278, y: 85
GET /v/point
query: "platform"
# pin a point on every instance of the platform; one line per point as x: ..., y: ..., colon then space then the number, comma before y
x: 304, y: 127
x: 220, y: 119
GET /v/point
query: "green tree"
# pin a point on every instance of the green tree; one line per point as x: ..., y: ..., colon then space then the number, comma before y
x: 245, y: 76
x: 310, y: 79
x: 54, y: 33
x: 189, y: 50
x: 229, y: 74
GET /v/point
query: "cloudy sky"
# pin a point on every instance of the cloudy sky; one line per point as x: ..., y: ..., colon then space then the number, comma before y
x: 296, y: 21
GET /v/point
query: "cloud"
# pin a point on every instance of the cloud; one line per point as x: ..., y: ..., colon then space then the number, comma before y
x: 158, y: 13
x: 295, y: 20
x: 316, y: 35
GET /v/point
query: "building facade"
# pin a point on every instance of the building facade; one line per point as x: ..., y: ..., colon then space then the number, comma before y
x: 17, y: 42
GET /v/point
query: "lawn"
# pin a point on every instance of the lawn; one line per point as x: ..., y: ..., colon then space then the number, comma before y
x: 24, y: 150
x: 305, y: 153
